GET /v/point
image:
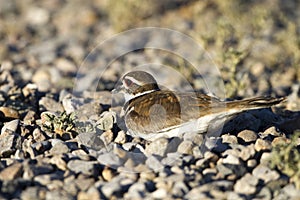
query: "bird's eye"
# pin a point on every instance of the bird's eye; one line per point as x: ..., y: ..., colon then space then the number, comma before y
x: 128, y: 82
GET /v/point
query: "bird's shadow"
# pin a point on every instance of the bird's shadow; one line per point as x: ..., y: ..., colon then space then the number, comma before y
x: 261, y: 119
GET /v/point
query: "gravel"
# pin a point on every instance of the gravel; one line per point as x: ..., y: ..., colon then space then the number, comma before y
x: 62, y: 130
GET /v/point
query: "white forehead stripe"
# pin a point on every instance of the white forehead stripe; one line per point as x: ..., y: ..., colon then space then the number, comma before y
x: 134, y: 80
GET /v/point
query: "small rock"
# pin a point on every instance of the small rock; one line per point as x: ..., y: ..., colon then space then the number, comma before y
x: 230, y: 139
x: 84, y: 167
x: 261, y: 145
x: 280, y: 140
x: 246, y: 185
x: 157, y: 147
x: 38, y: 135
x: 11, y: 126
x: 91, y: 140
x: 271, y: 131
x: 59, y: 161
x: 92, y: 193
x: 65, y: 65
x: 9, y: 113
x: 159, y: 194
x: 251, y: 163
x: 42, y: 79
x: 247, y: 135
x: 231, y: 159
x: 240, y: 151
x: 196, y: 138
x: 33, y: 193
x: 107, y: 137
x: 121, y: 137
x: 111, y: 187
x: 154, y: 164
x: 9, y: 143
x: 11, y: 172
x: 83, y: 182
x: 265, y: 173
x: 50, y: 105
x: 81, y: 154
x: 59, y: 147
x: 185, y: 147
x: 107, y: 120
x: 107, y: 174
x: 30, y: 117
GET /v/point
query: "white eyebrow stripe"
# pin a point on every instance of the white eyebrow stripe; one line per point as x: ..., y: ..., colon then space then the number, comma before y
x: 134, y: 80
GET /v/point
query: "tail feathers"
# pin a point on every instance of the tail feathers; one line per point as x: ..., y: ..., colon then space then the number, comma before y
x: 256, y: 102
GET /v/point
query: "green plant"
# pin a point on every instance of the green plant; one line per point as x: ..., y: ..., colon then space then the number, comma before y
x: 58, y: 124
x: 232, y: 58
x: 286, y: 157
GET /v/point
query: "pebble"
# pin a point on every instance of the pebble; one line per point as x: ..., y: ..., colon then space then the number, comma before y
x: 65, y: 65
x: 157, y: 147
x: 10, y: 127
x: 261, y: 145
x: 153, y: 163
x: 107, y: 120
x: 264, y: 173
x: 58, y: 147
x: 121, y: 137
x: 92, y: 193
x: 230, y: 139
x: 247, y: 135
x: 185, y: 147
x: 84, y: 167
x: 91, y: 140
x: 231, y: 159
x: 159, y: 194
x: 33, y: 193
x: 11, y: 172
x: 246, y: 185
x: 9, y: 144
x: 9, y: 113
x: 49, y: 104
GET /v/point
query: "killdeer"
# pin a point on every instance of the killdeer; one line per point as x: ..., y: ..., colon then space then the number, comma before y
x: 151, y: 113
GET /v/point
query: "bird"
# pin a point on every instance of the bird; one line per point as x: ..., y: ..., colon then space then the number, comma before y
x: 150, y: 112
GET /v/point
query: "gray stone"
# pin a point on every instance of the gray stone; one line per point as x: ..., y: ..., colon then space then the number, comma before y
x: 240, y: 151
x: 107, y: 120
x: 265, y: 173
x: 11, y: 172
x: 185, y: 147
x: 230, y: 139
x: 91, y: 140
x: 231, y: 159
x: 194, y: 137
x: 136, y: 191
x: 160, y: 193
x: 110, y: 159
x: 109, y: 188
x: 10, y: 127
x: 246, y: 185
x: 59, y: 147
x: 33, y: 193
x: 261, y: 145
x: 247, y: 135
x: 121, y: 137
x: 38, y: 135
x: 153, y: 163
x: 58, y: 194
x: 50, y: 105
x: 84, y: 167
x: 9, y: 143
x: 157, y: 147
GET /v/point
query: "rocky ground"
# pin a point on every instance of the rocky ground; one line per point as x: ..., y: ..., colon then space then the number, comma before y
x: 61, y: 137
